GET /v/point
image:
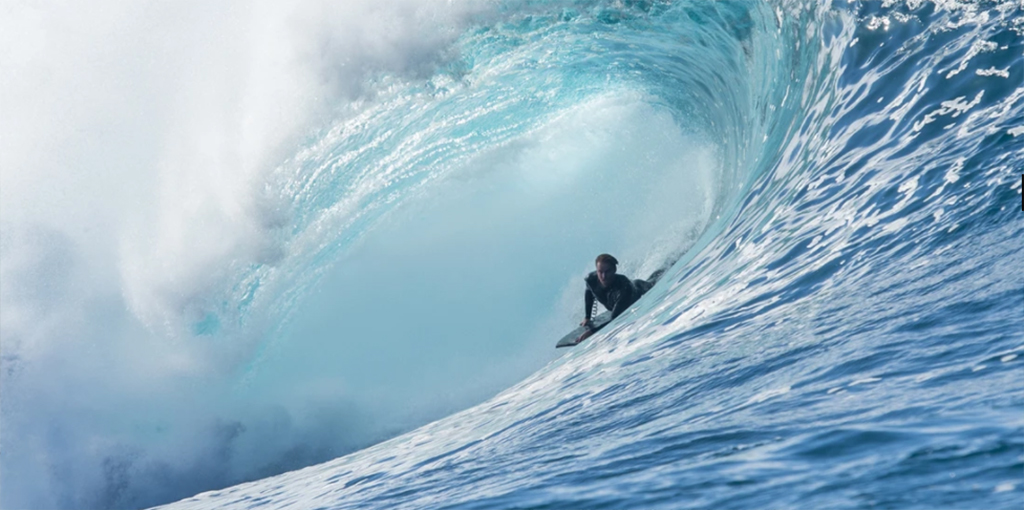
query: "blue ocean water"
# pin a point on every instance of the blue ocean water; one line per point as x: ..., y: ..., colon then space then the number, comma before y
x: 842, y: 327
x: 844, y: 332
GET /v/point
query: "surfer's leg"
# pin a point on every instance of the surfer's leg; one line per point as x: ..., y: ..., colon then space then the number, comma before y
x: 642, y: 286
x: 655, y: 276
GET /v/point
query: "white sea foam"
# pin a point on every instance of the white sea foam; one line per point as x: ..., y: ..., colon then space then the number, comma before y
x: 137, y: 145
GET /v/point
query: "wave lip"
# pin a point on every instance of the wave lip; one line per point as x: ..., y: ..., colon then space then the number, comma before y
x: 839, y: 330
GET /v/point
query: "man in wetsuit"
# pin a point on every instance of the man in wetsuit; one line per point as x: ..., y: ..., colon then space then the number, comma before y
x: 615, y: 291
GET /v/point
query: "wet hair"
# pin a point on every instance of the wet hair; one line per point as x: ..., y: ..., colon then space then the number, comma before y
x: 604, y: 258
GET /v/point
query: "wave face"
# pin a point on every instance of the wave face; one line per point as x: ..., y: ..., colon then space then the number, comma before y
x: 843, y: 327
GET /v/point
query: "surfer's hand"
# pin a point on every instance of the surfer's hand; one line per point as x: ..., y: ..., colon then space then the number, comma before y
x: 585, y: 323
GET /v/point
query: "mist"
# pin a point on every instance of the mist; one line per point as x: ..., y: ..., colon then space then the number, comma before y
x: 135, y: 145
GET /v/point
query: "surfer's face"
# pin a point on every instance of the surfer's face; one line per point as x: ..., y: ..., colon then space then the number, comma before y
x: 605, y: 272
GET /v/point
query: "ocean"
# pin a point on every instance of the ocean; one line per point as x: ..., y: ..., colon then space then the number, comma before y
x: 365, y: 317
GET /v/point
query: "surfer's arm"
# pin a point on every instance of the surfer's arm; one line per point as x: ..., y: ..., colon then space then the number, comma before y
x: 626, y: 298
x: 588, y: 302
x: 618, y: 308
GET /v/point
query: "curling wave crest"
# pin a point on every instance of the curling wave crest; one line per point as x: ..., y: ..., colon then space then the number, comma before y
x: 841, y: 329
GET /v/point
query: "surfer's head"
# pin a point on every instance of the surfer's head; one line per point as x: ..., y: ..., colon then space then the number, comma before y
x: 606, y: 266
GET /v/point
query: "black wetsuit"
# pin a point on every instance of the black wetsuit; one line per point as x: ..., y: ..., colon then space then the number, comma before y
x: 618, y: 296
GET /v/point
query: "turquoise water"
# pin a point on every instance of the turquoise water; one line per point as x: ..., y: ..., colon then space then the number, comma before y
x: 843, y: 327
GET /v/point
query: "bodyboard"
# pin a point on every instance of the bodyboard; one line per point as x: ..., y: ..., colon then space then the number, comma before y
x: 606, y: 317
x: 570, y: 339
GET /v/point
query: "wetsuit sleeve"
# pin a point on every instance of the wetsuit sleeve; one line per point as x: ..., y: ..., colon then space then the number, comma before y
x: 620, y: 306
x: 626, y: 299
x: 588, y: 301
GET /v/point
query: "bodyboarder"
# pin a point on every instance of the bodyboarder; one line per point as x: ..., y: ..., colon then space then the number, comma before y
x: 615, y: 291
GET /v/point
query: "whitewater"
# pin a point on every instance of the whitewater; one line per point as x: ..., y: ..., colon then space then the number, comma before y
x: 317, y: 256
